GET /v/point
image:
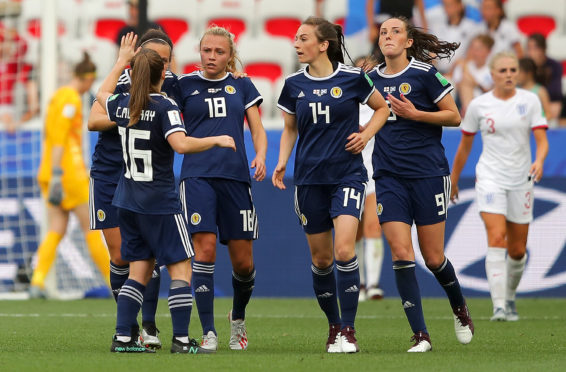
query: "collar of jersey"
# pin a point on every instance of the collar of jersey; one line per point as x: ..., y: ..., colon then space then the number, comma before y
x: 309, y: 76
x: 387, y: 76
x: 199, y: 73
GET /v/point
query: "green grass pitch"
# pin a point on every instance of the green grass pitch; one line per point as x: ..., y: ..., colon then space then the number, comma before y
x: 286, y: 335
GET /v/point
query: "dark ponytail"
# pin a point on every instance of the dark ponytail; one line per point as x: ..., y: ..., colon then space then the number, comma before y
x: 327, y: 31
x: 146, y: 72
x: 426, y: 47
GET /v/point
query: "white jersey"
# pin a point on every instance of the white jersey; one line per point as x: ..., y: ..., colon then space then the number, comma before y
x: 506, y: 35
x: 366, y: 113
x: 482, y: 76
x: 505, y: 130
x: 462, y: 33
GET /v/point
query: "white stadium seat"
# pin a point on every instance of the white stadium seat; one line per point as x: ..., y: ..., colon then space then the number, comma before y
x: 186, y: 54
x: 176, y: 17
x: 105, y: 18
x: 265, y: 88
x: 542, y: 16
x: 237, y: 16
x: 336, y: 11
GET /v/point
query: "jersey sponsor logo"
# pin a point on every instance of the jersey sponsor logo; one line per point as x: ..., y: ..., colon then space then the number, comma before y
x: 336, y: 92
x: 113, y: 97
x: 195, y: 218
x: 195, y: 92
x: 405, y: 88
x: 301, y: 94
x: 379, y: 209
x: 466, y: 243
x: 230, y: 89
x: 214, y: 90
x: 319, y: 92
x: 304, y: 220
x: 442, y: 79
x: 100, y: 215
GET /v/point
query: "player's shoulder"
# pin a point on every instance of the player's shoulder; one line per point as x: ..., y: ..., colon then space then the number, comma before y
x: 349, y: 69
x: 125, y: 78
x: 527, y: 94
x: 191, y: 76
x: 163, y: 101
x: 295, y: 76
x: 422, y: 66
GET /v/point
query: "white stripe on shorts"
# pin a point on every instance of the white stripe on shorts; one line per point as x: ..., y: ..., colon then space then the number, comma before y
x: 183, y: 198
x: 91, y: 204
x: 183, y: 233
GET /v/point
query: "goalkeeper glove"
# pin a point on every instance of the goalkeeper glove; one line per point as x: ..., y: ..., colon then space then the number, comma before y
x: 55, y: 191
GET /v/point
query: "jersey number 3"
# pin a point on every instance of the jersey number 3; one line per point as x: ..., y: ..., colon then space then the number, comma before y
x: 133, y: 157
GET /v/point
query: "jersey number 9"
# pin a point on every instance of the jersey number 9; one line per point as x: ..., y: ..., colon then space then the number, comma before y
x: 133, y: 154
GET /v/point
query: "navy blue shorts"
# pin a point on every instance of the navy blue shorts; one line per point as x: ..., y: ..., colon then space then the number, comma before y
x: 160, y: 236
x: 218, y: 204
x: 103, y: 215
x: 423, y: 201
x: 317, y: 205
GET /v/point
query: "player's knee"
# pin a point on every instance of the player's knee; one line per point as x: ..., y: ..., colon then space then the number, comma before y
x: 517, y: 252
x: 205, y: 248
x: 434, y: 263
x: 497, y: 239
x: 344, y: 252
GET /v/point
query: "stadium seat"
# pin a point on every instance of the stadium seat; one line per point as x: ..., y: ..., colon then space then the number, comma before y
x: 176, y: 17
x: 234, y: 15
x: 267, y: 57
x: 103, y: 53
x: 265, y: 88
x: 283, y: 18
x: 335, y: 11
x: 540, y: 16
x: 30, y: 18
x: 555, y: 48
x: 105, y: 18
x: 186, y: 54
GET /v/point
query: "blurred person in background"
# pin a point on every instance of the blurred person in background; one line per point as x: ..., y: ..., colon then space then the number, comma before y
x: 503, y: 31
x: 505, y: 176
x: 548, y: 74
x: 526, y: 80
x: 472, y: 75
x: 63, y: 178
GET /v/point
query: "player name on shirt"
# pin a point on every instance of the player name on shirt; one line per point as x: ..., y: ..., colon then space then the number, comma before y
x: 124, y: 113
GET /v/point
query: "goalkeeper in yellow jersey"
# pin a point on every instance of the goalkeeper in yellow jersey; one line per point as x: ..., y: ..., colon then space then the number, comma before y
x: 63, y: 178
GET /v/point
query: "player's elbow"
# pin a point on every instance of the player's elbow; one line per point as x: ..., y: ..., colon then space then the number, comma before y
x: 454, y: 120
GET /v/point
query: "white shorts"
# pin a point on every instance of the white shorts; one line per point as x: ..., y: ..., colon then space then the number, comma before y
x: 516, y: 205
x: 366, y: 154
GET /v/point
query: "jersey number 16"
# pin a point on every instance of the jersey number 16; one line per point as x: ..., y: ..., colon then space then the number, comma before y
x: 136, y: 155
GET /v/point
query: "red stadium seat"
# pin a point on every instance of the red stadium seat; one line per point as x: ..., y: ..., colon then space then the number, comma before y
x: 108, y: 28
x: 190, y: 67
x: 284, y: 27
x: 267, y: 57
x: 271, y: 71
x: 173, y: 27
x: 541, y: 24
x: 34, y: 28
x: 283, y: 18
x: 234, y: 25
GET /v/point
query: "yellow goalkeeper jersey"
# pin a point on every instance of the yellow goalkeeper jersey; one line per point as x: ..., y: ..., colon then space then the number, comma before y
x: 63, y: 127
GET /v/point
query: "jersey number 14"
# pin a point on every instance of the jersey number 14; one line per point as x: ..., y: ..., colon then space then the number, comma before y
x: 318, y: 110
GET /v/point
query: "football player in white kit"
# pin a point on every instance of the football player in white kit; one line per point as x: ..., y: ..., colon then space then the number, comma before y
x: 369, y: 242
x: 505, y: 176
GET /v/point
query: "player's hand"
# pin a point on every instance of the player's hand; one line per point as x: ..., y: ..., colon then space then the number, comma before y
x: 239, y: 74
x: 55, y: 189
x: 259, y: 164
x: 356, y: 143
x: 226, y: 141
x: 128, y: 48
x: 402, y: 107
x: 454, y: 193
x: 278, y: 175
x: 535, y: 173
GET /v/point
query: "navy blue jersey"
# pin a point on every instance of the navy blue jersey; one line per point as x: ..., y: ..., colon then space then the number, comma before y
x: 214, y: 108
x: 327, y: 112
x: 406, y: 147
x: 147, y: 182
x: 107, y: 157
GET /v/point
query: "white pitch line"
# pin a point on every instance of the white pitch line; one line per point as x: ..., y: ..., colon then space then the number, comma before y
x: 252, y: 316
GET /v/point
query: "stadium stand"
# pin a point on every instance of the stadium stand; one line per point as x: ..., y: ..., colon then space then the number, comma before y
x: 237, y: 16
x: 268, y: 57
x: 177, y: 18
x: 282, y: 18
x: 541, y: 16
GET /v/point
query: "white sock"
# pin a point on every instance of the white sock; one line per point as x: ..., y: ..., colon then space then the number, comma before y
x: 515, y: 270
x: 123, y: 338
x: 374, y: 260
x: 496, y: 275
x: 359, y: 249
x: 183, y: 339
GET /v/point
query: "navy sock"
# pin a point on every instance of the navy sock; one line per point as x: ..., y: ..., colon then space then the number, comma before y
x: 149, y: 305
x: 447, y: 278
x: 118, y: 275
x: 180, y: 305
x: 324, y: 284
x: 410, y: 296
x: 203, y: 283
x: 348, y: 284
x: 243, y: 287
x: 129, y: 304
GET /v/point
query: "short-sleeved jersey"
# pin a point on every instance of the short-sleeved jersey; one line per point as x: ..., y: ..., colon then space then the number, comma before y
x: 107, y: 157
x: 147, y: 182
x: 405, y: 147
x: 327, y: 112
x: 214, y: 108
x: 505, y: 127
x: 506, y: 35
x: 461, y: 33
x: 63, y: 127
